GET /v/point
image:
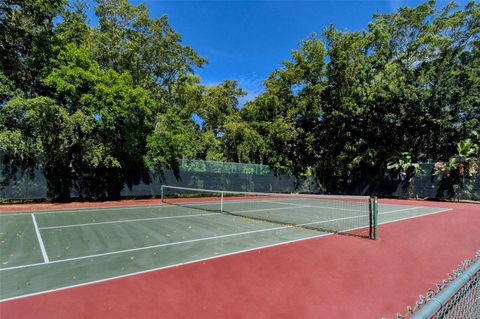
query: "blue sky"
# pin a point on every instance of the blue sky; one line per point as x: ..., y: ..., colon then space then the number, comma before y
x: 247, y: 40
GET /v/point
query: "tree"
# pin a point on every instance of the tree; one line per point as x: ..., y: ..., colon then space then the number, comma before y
x: 124, y: 97
x: 219, y: 102
x: 127, y: 39
x: 458, y: 176
x: 34, y: 131
x: 407, y: 84
x: 112, y: 145
x: 27, y: 41
x: 242, y: 143
x: 172, y: 139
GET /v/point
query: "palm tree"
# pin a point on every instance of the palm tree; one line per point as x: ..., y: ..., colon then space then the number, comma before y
x: 466, y: 166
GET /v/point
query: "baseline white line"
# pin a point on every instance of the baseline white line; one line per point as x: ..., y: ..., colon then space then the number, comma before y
x: 417, y: 216
x: 313, y: 206
x: 127, y: 221
x: 282, y: 203
x: 404, y: 209
x: 336, y: 208
x: 153, y: 206
x: 74, y: 210
x: 40, y: 240
x: 225, y: 202
x: 268, y: 209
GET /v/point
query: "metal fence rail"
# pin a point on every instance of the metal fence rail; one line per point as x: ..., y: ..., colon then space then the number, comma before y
x: 458, y: 297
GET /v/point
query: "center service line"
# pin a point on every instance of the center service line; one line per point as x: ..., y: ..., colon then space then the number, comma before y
x: 40, y: 240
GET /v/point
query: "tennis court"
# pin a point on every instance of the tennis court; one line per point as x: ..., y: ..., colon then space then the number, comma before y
x: 43, y: 251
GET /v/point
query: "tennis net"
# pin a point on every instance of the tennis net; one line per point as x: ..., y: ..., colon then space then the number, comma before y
x: 351, y: 215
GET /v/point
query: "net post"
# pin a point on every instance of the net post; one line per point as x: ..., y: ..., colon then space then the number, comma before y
x: 375, y: 217
x: 370, y: 218
x: 161, y: 194
x: 221, y: 202
x: 373, y: 207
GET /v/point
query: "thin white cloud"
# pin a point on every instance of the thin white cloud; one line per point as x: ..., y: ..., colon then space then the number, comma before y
x: 253, y: 86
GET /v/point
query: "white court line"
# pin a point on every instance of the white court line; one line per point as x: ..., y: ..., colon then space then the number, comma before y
x: 149, y: 247
x: 416, y: 216
x: 165, y: 205
x: 268, y: 209
x: 74, y: 210
x: 190, y: 262
x: 166, y: 217
x: 403, y: 209
x: 185, y: 241
x: 148, y: 206
x: 127, y: 221
x: 40, y: 240
x: 337, y: 208
x: 227, y: 201
x: 209, y: 238
x: 165, y: 267
x: 290, y: 204
x: 196, y: 215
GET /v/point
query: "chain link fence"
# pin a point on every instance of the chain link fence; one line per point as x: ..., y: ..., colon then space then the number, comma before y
x: 457, y: 297
x: 33, y: 185
x: 199, y: 166
x: 245, y: 177
x: 426, y: 184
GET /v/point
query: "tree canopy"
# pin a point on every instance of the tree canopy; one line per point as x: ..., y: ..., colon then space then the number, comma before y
x: 96, y: 107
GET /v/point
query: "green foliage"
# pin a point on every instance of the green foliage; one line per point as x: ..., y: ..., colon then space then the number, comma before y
x: 461, y: 171
x: 172, y: 139
x: 128, y: 40
x: 242, y: 143
x: 34, y: 131
x: 218, y: 104
x: 113, y: 117
x: 403, y: 162
x: 401, y: 165
x: 356, y: 98
x: 97, y: 106
x: 7, y: 89
x: 107, y: 89
x: 74, y: 28
x: 281, y: 138
x: 27, y: 40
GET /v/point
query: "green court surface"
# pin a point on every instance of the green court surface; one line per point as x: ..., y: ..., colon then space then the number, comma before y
x: 47, y: 250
